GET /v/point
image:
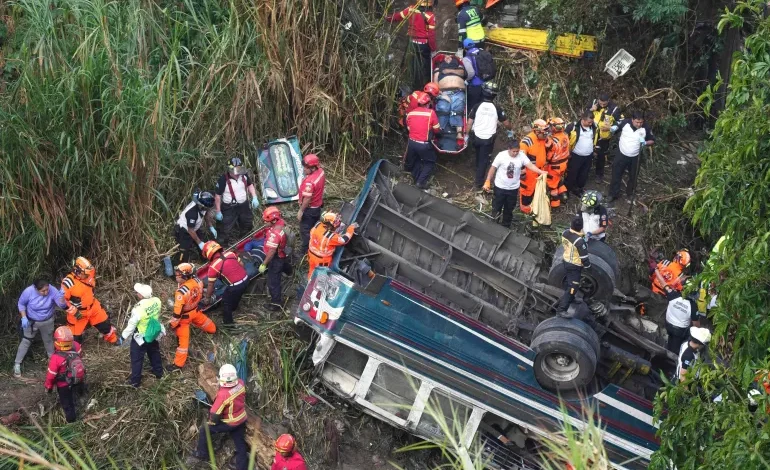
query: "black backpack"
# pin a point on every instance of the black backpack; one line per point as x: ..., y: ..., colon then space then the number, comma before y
x: 485, y: 65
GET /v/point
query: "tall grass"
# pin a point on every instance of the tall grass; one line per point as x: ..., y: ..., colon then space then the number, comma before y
x: 115, y: 110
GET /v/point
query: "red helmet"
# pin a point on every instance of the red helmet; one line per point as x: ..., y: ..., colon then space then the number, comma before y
x: 271, y: 214
x: 422, y: 97
x: 62, y: 338
x: 311, y: 159
x: 432, y: 89
x: 285, y: 443
x: 209, y: 248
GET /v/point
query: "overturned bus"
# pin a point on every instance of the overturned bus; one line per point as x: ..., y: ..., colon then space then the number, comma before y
x: 438, y: 322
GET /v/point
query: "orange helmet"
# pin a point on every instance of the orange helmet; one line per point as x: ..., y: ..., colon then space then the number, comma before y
x: 82, y: 267
x: 432, y: 89
x: 209, y: 248
x: 683, y: 257
x: 422, y: 97
x: 460, y: 2
x: 540, y: 127
x: 186, y: 270
x: 330, y: 218
x: 62, y: 338
x: 285, y: 443
x: 271, y: 214
x: 557, y: 124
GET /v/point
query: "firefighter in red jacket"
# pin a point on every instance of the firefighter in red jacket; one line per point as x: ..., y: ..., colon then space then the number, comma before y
x: 276, y: 263
x: 286, y: 457
x: 420, y: 157
x: 227, y: 415
x: 65, y: 350
x: 409, y: 103
x: 422, y: 38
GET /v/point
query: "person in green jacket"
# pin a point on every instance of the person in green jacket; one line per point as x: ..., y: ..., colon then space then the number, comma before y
x: 146, y: 329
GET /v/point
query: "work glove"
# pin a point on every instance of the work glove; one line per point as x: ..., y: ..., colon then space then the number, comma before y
x: 642, y: 141
x: 262, y: 268
x: 218, y: 216
x: 213, y: 231
x: 509, y: 134
x: 588, y: 235
x: 254, y: 202
x: 200, y: 246
x: 614, y: 128
x: 24, y: 322
x: 123, y: 342
x: 487, y: 186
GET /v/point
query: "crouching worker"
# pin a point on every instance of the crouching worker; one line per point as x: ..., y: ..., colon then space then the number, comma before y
x: 145, y: 327
x: 83, y: 308
x: 324, y: 239
x: 286, y: 457
x: 188, y: 296
x: 227, y: 415
x: 575, y: 260
x: 66, y: 371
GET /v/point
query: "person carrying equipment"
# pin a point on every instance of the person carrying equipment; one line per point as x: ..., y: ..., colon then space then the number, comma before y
x: 83, y: 308
x: 286, y: 455
x: 575, y: 259
x: 231, y: 200
x: 66, y: 371
x: 227, y: 415
x: 479, y: 68
x: 226, y: 266
x: 187, y: 311
x: 556, y: 159
x: 324, y: 239
x: 36, y: 306
x: 594, y: 215
x: 470, y: 24
x: 311, y: 198
x: 145, y: 328
x: 422, y: 38
x: 482, y: 121
x: 605, y: 114
x: 671, y: 273
x: 187, y: 230
x: 420, y: 159
x: 690, y: 350
x: 536, y: 146
x: 275, y: 262
x: 583, y: 136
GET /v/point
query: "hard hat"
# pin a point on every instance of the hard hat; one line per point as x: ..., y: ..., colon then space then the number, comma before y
x: 62, y: 338
x: 210, y: 248
x: 489, y: 89
x: 143, y: 289
x: 701, y: 335
x: 82, y: 266
x: 683, y: 257
x: 285, y: 443
x: 590, y: 198
x: 271, y: 214
x: 228, y: 376
x: 422, y: 97
x: 468, y: 43
x: 557, y: 123
x: 432, y: 89
x: 186, y: 270
x: 460, y: 2
x: 235, y: 166
x: 540, y: 127
x: 311, y: 159
x: 203, y: 198
x: 331, y: 218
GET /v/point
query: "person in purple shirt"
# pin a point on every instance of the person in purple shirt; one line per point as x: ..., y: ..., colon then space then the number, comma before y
x: 36, y: 306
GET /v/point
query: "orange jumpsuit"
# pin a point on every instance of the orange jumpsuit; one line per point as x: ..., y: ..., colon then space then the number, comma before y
x: 186, y: 311
x: 323, y: 242
x: 536, y: 149
x: 84, y: 309
x: 557, y: 157
x: 672, y: 274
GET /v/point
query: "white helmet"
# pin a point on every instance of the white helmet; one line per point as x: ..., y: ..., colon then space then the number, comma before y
x: 700, y: 334
x: 228, y: 376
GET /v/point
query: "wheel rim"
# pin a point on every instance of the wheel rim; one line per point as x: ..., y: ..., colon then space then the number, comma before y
x: 560, y: 367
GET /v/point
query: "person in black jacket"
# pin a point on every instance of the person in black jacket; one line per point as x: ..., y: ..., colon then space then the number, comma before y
x: 575, y: 259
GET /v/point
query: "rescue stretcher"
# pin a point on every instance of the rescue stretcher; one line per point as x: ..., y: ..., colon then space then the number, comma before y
x: 440, y: 143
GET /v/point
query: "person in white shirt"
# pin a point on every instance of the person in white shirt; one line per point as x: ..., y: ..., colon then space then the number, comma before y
x: 681, y: 313
x: 483, y: 120
x: 231, y: 200
x: 506, y: 171
x: 583, y: 137
x: 634, y: 135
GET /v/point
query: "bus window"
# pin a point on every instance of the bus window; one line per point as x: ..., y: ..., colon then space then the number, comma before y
x: 343, y: 368
x: 443, y: 415
x: 505, y: 445
x: 393, y: 390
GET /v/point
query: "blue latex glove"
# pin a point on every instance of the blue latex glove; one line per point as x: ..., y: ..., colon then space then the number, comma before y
x: 218, y: 216
x: 123, y: 342
x: 510, y: 134
x: 254, y: 202
x: 213, y: 231
x: 200, y: 246
x: 613, y: 128
x: 119, y: 342
x: 24, y: 322
x: 262, y: 268
x: 642, y: 141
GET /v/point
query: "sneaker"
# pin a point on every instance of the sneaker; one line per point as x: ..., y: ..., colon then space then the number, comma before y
x: 17, y: 370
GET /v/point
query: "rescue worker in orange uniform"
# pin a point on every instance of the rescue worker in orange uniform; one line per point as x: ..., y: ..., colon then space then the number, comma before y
x: 557, y: 158
x: 536, y: 146
x: 311, y: 197
x: 83, y: 308
x: 286, y: 457
x: 324, y: 239
x: 671, y: 273
x: 276, y: 263
x: 186, y: 300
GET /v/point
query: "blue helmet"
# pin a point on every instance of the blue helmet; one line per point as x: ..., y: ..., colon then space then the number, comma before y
x: 468, y: 43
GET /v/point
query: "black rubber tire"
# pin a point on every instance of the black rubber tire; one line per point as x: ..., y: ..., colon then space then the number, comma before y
x: 606, y: 253
x: 569, y: 324
x: 600, y: 276
x: 569, y: 344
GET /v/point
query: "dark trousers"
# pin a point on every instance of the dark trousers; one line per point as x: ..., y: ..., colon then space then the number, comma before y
x: 188, y: 249
x: 137, y: 360
x: 420, y: 161
x: 420, y: 64
x: 310, y: 217
x: 231, y: 298
x: 578, y: 168
x: 473, y: 96
x: 571, y: 285
x: 67, y: 397
x: 505, y: 200
x: 275, y: 269
x: 233, y: 214
x: 676, y: 336
x: 483, y: 154
x: 602, y: 149
x: 619, y: 167
x: 237, y: 434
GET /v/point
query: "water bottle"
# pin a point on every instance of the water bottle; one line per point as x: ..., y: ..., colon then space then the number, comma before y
x: 168, y: 267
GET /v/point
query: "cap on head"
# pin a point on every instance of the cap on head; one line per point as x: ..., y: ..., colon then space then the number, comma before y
x: 311, y: 159
x: 285, y: 443
x: 271, y: 214
x: 143, y: 289
x: 468, y: 43
x: 210, y: 248
x: 700, y: 335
